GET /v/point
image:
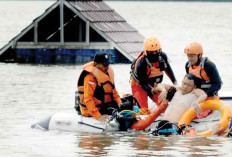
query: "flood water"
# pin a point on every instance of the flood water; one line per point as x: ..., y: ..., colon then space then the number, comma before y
x: 28, y: 92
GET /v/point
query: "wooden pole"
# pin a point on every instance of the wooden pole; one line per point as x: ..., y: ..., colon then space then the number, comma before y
x: 62, y: 22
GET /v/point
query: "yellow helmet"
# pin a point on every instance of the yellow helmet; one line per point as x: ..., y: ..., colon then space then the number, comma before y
x: 194, y: 48
x: 151, y: 44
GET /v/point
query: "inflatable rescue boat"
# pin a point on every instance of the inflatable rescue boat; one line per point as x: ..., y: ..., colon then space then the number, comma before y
x: 77, y: 123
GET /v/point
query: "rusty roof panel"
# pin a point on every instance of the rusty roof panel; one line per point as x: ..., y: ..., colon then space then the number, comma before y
x: 132, y: 48
x: 91, y: 6
x: 120, y: 37
x: 114, y: 27
x: 103, y: 17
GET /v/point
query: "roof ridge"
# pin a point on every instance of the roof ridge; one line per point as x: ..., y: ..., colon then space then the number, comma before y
x: 97, y: 10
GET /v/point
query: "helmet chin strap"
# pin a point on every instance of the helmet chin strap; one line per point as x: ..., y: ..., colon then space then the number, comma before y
x: 199, y: 58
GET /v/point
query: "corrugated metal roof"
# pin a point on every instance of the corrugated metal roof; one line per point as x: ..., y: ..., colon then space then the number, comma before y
x: 132, y: 48
x: 113, y: 25
x: 126, y: 37
x: 105, y: 16
x: 91, y: 6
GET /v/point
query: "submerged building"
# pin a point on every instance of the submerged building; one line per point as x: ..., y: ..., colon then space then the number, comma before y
x: 72, y: 31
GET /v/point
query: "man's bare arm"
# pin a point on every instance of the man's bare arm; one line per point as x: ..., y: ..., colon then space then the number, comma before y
x: 201, y: 95
x: 163, y: 90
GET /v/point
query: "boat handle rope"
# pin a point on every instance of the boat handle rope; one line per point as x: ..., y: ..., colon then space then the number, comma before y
x: 92, y: 126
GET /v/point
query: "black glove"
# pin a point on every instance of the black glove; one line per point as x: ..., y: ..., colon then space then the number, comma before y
x: 171, y: 93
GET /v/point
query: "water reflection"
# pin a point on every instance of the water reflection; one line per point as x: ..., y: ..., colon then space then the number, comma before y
x: 203, y: 145
x: 143, y: 144
x: 94, y: 143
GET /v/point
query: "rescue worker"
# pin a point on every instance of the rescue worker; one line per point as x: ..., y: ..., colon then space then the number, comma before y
x: 96, y: 88
x: 147, y: 70
x: 205, y: 69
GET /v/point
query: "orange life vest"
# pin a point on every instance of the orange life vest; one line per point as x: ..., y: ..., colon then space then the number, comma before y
x: 198, y: 71
x: 103, y: 94
x: 152, y: 71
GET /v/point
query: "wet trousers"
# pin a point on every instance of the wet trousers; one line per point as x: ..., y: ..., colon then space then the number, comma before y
x: 142, y: 97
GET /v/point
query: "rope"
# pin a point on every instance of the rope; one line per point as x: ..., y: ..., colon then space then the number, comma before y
x: 227, y: 132
x: 128, y: 112
x: 92, y: 126
x: 144, y: 111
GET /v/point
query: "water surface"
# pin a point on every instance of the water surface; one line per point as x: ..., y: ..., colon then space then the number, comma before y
x: 30, y: 92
